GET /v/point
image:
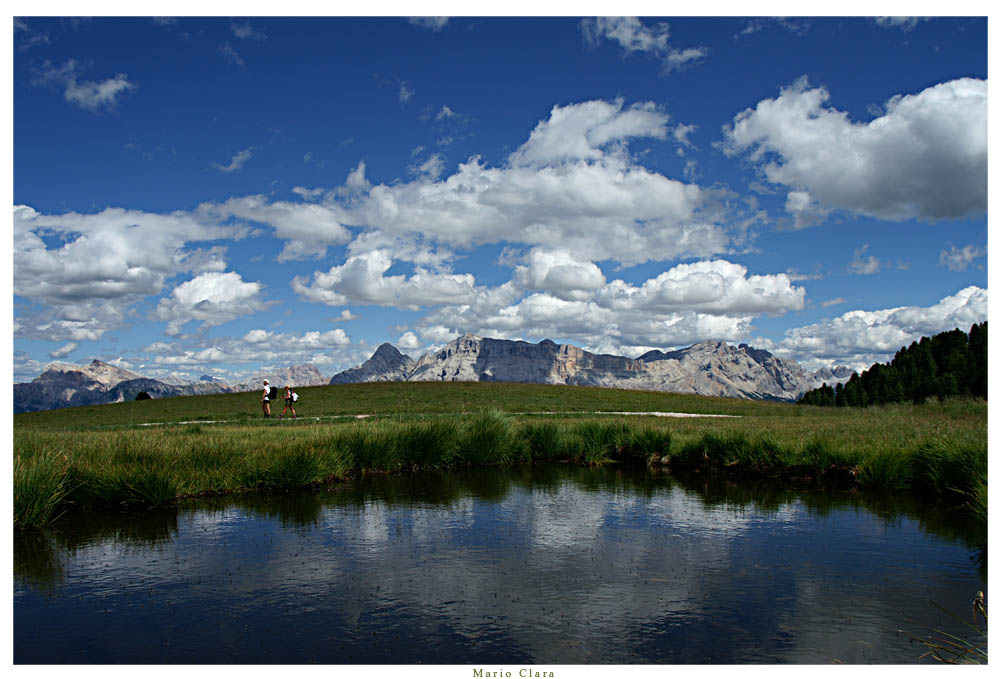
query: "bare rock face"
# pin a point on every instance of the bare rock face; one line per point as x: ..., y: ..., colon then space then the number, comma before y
x: 105, y: 374
x: 385, y: 365
x: 707, y: 368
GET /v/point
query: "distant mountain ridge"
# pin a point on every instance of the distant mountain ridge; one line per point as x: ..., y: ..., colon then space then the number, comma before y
x: 707, y: 368
x: 63, y: 385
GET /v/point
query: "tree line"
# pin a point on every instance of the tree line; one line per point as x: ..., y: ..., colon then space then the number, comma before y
x: 950, y: 363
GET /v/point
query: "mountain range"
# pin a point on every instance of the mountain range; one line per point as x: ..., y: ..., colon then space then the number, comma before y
x: 63, y: 385
x: 706, y: 368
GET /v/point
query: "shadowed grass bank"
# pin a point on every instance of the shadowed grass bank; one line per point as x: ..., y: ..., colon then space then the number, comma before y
x: 142, y: 467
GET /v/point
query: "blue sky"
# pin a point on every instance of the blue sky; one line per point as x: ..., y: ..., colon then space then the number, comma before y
x: 225, y: 195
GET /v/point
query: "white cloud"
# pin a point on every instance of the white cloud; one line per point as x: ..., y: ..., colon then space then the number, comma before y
x: 64, y: 350
x: 860, y: 338
x: 833, y: 302
x: 959, y: 259
x: 571, y: 186
x: 904, y: 23
x: 558, y: 273
x: 238, y: 161
x: 686, y: 304
x: 435, y: 24
x: 362, y: 280
x: 408, y: 342
x: 330, y: 351
x: 213, y: 298
x: 88, y: 95
x: 444, y: 114
x: 925, y: 158
x: 634, y: 36
x: 581, y: 131
x: 28, y: 37
x: 231, y: 55
x: 307, y: 228
x: 312, y: 340
x: 864, y: 266
x: 245, y: 31
x: 405, y: 92
x: 308, y: 194
x: 563, y: 189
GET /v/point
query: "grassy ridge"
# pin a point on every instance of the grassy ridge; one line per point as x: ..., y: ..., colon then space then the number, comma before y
x: 395, y: 398
x: 100, y: 456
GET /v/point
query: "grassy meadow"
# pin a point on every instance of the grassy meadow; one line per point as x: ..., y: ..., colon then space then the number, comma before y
x: 152, y: 453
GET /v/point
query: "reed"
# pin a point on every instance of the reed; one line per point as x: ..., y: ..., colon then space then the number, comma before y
x: 40, y: 489
x: 488, y: 438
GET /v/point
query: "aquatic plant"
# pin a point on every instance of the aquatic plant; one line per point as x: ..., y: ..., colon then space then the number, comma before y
x: 488, y: 438
x: 40, y: 489
x: 953, y: 649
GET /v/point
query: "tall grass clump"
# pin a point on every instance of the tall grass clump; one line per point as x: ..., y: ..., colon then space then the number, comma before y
x: 886, y: 470
x: 40, y: 489
x: 489, y: 438
x: 959, y: 472
x: 286, y: 471
x: 427, y: 444
x: 650, y: 442
x: 544, y: 440
x: 602, y: 441
x: 369, y: 446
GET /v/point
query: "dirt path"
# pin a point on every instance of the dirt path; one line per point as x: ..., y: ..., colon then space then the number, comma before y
x: 365, y: 416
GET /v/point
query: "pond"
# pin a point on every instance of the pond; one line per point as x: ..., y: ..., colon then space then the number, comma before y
x: 544, y: 564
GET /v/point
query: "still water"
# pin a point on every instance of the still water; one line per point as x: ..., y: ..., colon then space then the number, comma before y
x: 537, y: 564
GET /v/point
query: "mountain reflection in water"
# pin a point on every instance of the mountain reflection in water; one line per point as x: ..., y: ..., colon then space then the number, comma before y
x: 540, y: 564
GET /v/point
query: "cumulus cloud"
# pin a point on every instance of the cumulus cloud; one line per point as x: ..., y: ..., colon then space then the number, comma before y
x: 571, y: 186
x: 307, y: 228
x: 405, y: 92
x: 408, y: 342
x: 925, y: 158
x: 859, y: 338
x: 87, y: 94
x: 687, y: 303
x: 959, y: 259
x: 634, y: 36
x: 362, y: 280
x: 212, y: 298
x: 87, y: 269
x: 580, y: 131
x: 559, y: 273
x: 312, y: 340
x: 329, y: 351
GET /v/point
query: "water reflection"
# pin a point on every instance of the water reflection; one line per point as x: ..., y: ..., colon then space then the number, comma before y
x: 544, y: 564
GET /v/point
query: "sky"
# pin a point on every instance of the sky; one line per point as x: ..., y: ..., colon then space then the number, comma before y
x: 226, y: 195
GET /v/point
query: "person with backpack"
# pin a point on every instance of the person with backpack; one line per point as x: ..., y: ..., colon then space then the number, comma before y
x: 266, y: 400
x: 290, y: 399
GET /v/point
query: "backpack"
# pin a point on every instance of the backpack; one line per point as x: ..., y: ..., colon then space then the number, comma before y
x: 295, y: 397
x: 273, y: 394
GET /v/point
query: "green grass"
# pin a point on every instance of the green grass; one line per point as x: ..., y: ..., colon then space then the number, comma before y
x: 103, y: 456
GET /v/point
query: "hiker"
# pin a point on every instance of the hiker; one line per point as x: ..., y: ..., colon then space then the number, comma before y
x: 289, y: 402
x: 266, y: 400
